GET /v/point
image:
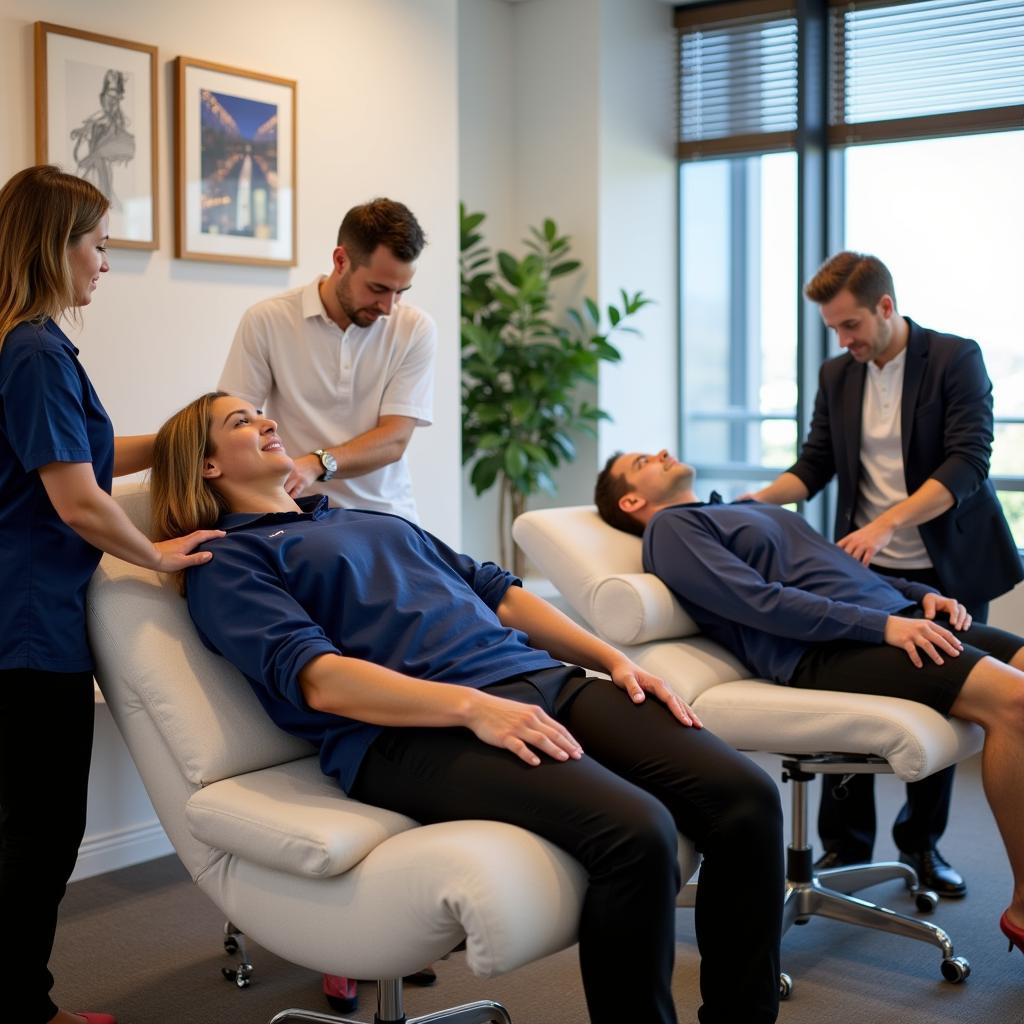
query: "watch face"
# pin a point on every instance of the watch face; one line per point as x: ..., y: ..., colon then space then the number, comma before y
x: 330, y: 463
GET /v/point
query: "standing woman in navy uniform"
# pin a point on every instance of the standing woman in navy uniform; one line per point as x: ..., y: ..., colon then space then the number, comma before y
x: 58, y: 454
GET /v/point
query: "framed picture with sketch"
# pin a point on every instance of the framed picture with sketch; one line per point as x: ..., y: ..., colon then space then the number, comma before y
x: 234, y: 165
x: 96, y: 117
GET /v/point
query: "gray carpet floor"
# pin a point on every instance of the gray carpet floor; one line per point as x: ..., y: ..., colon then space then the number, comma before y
x: 144, y: 943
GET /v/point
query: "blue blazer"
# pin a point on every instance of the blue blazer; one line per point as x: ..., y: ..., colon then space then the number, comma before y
x: 946, y: 426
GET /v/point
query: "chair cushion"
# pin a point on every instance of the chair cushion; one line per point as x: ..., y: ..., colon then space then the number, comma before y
x: 914, y: 739
x: 291, y: 817
x: 598, y: 570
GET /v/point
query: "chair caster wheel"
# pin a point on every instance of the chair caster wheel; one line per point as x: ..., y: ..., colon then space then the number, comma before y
x: 785, y: 986
x: 241, y: 976
x: 956, y: 969
x: 231, y: 945
x: 925, y: 900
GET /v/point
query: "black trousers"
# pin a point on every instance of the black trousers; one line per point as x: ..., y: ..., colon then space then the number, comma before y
x: 846, y: 814
x: 46, y: 723
x: 643, y: 776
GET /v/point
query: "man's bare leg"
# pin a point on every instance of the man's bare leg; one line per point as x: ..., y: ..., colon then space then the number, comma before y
x: 993, y: 696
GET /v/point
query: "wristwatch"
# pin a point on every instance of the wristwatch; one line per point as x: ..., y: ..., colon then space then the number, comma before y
x: 329, y: 462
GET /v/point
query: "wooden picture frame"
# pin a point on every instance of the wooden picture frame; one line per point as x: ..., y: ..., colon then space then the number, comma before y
x: 235, y: 153
x: 96, y: 117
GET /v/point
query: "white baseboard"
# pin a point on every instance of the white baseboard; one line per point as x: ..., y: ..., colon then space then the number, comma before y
x: 120, y: 848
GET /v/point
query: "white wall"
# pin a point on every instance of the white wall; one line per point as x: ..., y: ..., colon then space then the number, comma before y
x: 578, y: 102
x: 377, y: 115
x: 637, y: 222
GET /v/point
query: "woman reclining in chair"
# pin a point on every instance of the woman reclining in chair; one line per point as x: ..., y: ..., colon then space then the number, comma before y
x: 435, y: 686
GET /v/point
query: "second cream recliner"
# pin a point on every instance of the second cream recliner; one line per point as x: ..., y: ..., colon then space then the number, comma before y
x: 599, y: 571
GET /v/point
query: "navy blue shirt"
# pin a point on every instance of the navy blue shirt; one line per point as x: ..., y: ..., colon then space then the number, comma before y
x: 761, y: 582
x: 286, y: 587
x: 49, y: 412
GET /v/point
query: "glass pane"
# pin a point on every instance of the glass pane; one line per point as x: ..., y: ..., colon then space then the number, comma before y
x: 947, y: 217
x: 739, y: 308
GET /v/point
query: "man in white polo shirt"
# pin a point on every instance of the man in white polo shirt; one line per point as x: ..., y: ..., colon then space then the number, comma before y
x: 344, y: 366
x: 903, y: 420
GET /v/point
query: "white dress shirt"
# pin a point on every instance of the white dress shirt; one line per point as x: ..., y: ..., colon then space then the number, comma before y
x: 883, y: 482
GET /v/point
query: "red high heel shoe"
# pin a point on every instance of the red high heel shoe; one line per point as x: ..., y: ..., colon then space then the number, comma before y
x: 1012, y: 932
x: 95, y: 1018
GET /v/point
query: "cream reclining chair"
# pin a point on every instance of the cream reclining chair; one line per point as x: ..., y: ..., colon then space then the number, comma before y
x: 321, y: 880
x: 599, y: 571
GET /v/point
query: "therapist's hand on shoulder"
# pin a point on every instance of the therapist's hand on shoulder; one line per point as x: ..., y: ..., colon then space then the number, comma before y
x: 304, y: 474
x: 179, y: 552
x: 637, y: 682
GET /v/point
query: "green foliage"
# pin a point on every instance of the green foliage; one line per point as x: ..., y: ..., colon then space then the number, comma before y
x: 521, y: 365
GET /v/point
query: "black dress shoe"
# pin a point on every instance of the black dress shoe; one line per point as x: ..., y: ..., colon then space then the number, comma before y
x: 834, y: 859
x: 829, y: 859
x: 934, y: 872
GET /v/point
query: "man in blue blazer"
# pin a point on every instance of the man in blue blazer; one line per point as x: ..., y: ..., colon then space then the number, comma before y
x: 903, y: 420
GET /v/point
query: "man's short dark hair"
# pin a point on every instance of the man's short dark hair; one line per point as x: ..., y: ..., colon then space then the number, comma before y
x: 610, y: 487
x: 381, y: 222
x: 865, y: 277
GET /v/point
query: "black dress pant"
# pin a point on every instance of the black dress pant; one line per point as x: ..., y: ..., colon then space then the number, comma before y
x: 642, y: 777
x: 846, y: 814
x: 46, y: 723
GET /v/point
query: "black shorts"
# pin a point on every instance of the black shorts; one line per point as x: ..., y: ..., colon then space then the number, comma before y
x: 854, y: 667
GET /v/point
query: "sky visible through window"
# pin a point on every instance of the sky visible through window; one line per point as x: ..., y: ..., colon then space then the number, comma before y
x: 947, y: 217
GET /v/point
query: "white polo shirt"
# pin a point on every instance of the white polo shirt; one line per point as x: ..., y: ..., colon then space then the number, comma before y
x: 883, y: 480
x: 325, y: 386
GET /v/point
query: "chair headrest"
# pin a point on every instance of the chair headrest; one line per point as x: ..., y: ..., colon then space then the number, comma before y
x: 599, y: 571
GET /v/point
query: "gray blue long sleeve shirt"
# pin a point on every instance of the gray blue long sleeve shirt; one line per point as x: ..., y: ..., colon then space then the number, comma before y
x: 286, y: 587
x: 760, y: 581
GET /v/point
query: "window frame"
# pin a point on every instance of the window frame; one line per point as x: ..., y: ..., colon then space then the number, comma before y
x: 820, y: 148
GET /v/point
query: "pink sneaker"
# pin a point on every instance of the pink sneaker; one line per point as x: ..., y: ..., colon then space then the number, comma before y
x: 341, y: 993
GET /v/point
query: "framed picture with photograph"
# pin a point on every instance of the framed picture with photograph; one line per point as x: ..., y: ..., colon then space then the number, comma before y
x: 96, y: 117
x: 235, y: 165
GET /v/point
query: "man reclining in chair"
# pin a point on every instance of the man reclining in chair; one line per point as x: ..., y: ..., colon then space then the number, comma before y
x: 797, y: 609
x: 434, y: 686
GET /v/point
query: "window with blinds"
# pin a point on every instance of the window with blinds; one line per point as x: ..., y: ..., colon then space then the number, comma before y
x: 904, y: 69
x: 737, y: 78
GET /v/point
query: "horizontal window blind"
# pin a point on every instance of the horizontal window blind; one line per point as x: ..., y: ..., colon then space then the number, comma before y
x: 737, y: 78
x: 921, y: 68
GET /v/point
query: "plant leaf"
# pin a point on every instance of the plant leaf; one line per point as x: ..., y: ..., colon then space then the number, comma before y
x: 509, y: 268
x: 484, y: 473
x: 516, y: 461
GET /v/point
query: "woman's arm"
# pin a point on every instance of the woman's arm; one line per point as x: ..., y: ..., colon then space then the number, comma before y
x: 84, y: 506
x: 133, y: 453
x: 550, y: 630
x: 372, y: 693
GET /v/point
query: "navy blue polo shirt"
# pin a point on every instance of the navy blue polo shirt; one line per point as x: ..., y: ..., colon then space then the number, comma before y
x: 49, y: 412
x: 759, y: 580
x: 286, y: 587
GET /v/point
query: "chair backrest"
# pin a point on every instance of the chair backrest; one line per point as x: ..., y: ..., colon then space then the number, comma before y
x: 188, y: 717
x: 599, y: 571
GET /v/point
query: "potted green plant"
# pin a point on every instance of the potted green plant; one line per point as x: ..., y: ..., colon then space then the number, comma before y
x: 522, y: 365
